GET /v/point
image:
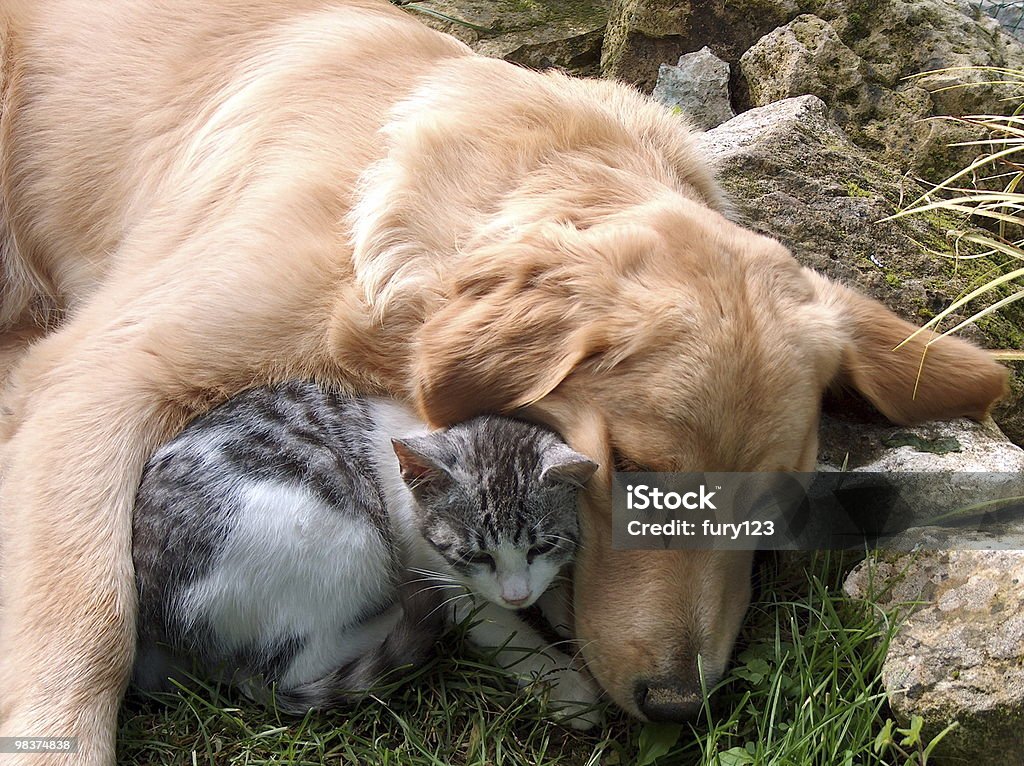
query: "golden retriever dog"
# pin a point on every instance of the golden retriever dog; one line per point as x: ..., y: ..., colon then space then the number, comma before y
x: 202, y: 195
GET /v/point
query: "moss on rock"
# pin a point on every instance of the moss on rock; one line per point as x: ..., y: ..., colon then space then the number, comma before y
x: 798, y: 178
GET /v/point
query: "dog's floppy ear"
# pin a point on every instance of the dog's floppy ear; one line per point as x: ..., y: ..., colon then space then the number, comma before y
x: 496, y: 353
x: 916, y: 382
x: 512, y: 331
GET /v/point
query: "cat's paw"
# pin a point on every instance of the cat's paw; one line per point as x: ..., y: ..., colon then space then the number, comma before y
x: 572, y: 696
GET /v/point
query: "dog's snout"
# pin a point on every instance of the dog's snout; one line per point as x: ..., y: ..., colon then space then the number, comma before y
x: 667, y: 701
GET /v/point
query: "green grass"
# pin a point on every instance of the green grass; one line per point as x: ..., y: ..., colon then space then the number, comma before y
x: 804, y: 689
x: 985, y: 198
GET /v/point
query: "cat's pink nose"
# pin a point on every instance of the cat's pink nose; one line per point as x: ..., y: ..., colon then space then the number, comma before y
x: 515, y: 589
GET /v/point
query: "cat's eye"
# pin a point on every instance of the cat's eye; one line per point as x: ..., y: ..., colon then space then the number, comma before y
x: 539, y: 550
x: 481, y: 559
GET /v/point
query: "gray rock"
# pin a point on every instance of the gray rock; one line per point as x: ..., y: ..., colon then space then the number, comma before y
x: 958, y: 651
x: 567, y: 34
x: 985, y: 463
x: 698, y: 86
x: 796, y: 176
x: 804, y: 57
x: 959, y: 445
x: 807, y: 57
x: 870, y: 96
x: 959, y: 654
x: 901, y: 38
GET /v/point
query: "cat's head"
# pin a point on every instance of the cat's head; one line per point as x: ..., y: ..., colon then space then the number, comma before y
x: 497, y: 499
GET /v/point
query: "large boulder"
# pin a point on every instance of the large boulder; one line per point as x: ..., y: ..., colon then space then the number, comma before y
x: 803, y: 57
x: 567, y: 34
x: 975, y: 462
x: 796, y: 176
x: 854, y: 55
x: 863, y: 77
x: 957, y: 653
x: 856, y: 441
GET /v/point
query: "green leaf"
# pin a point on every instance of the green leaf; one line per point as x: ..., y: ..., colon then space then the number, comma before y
x: 912, y: 736
x: 656, y: 739
x: 754, y: 679
x: 759, y: 666
x: 754, y: 671
x: 757, y: 651
x: 884, y: 738
x: 734, y: 756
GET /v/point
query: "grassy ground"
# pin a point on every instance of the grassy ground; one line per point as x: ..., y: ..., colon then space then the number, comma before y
x: 804, y: 689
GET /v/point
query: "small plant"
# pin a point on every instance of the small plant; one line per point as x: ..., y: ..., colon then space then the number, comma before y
x: 655, y: 740
x: 908, y: 743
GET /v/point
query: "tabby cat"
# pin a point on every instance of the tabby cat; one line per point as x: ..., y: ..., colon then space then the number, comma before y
x: 298, y: 539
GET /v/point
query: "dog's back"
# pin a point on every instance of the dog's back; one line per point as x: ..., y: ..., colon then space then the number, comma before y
x: 88, y: 141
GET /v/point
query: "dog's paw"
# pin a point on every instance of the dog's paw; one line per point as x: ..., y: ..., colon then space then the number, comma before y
x: 572, y: 696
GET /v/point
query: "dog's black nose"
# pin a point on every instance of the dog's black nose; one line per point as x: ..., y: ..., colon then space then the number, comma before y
x: 667, y: 701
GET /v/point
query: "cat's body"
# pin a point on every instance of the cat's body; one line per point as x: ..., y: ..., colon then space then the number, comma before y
x: 277, y: 540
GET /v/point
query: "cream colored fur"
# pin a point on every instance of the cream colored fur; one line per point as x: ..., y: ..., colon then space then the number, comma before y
x: 200, y: 195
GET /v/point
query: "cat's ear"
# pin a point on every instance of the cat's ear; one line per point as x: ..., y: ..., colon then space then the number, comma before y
x: 420, y: 467
x: 560, y: 464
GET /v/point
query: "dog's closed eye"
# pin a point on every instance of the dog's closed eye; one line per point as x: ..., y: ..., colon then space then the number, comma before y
x: 623, y: 463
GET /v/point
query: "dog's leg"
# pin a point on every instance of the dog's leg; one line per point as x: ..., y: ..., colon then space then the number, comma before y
x: 68, y: 621
x: 93, y: 401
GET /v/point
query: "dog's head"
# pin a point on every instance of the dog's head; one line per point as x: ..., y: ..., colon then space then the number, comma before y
x: 675, y: 342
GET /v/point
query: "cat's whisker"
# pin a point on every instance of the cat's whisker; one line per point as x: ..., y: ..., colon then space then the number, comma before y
x: 570, y: 543
x: 432, y: 588
x: 430, y: 572
x: 539, y: 524
x: 578, y: 654
x: 435, y: 587
x: 446, y: 580
x: 445, y: 603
